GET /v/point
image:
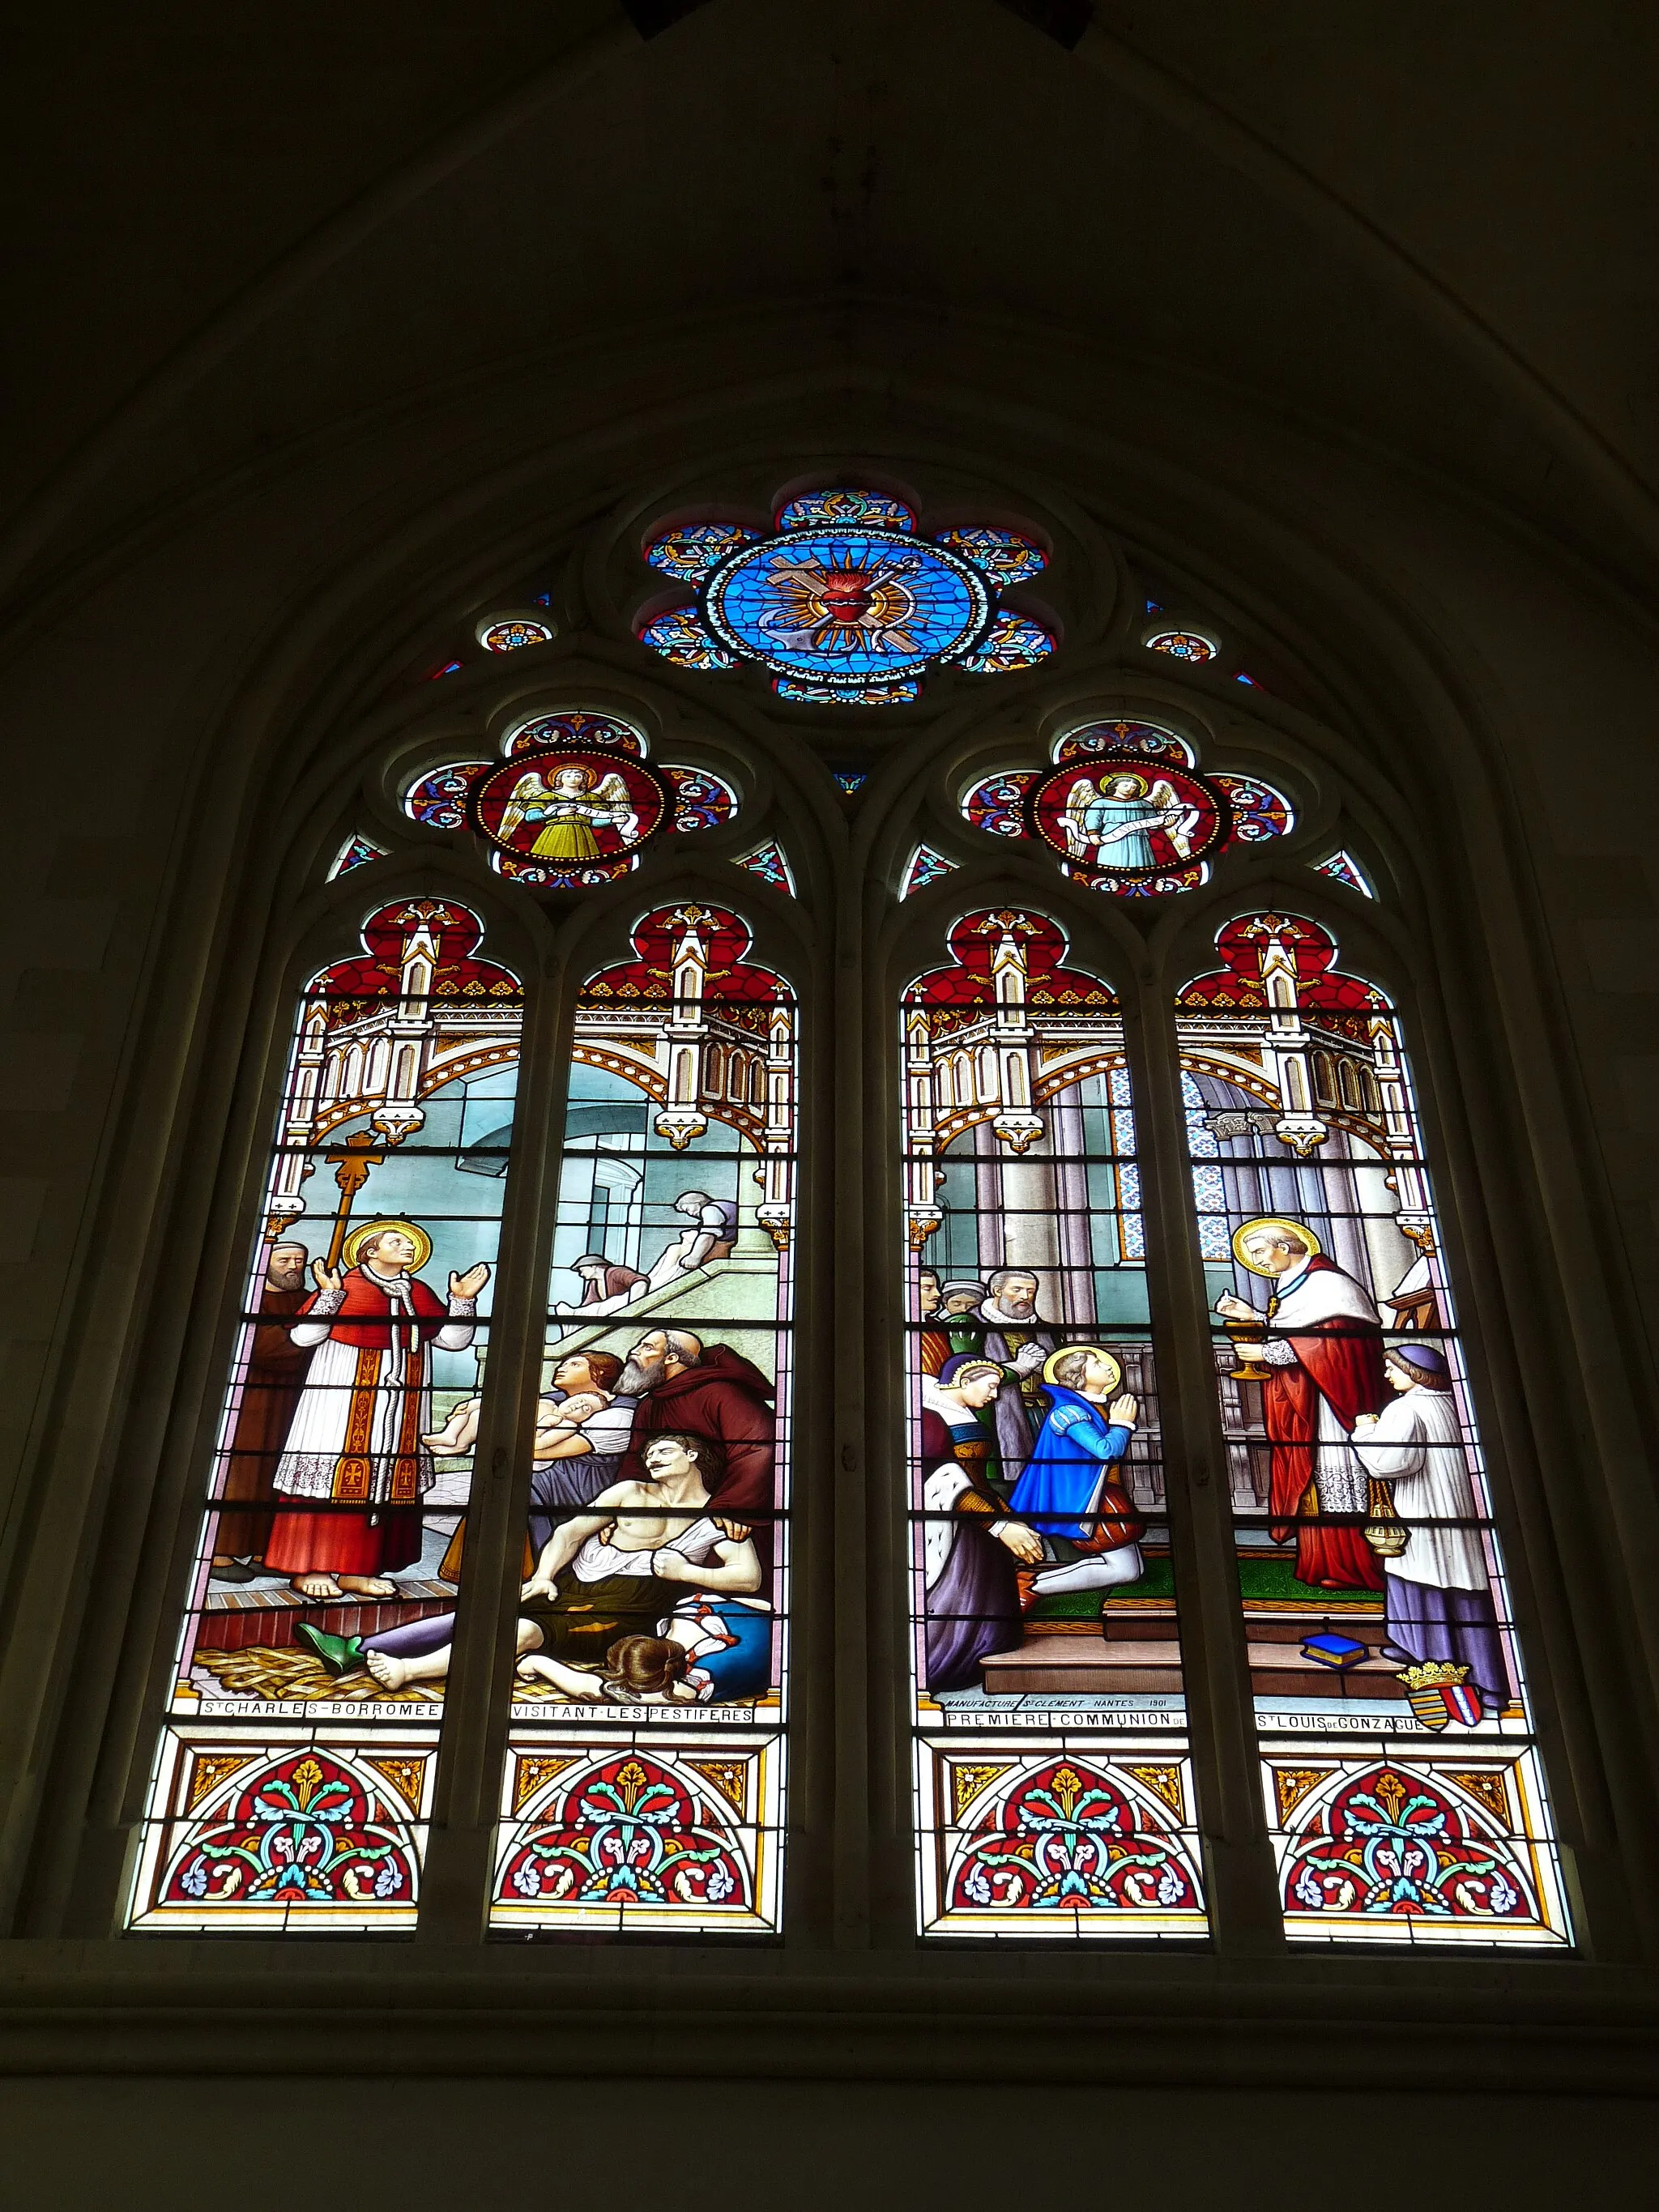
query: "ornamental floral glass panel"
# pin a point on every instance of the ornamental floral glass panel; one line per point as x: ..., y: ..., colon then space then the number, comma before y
x: 357, y: 853
x: 1181, y: 644
x: 923, y: 867
x: 293, y: 1781
x: 1055, y: 1792
x: 1343, y: 868
x: 1403, y: 1785
x: 771, y: 864
x: 643, y: 1777
x: 509, y: 633
x: 1127, y: 809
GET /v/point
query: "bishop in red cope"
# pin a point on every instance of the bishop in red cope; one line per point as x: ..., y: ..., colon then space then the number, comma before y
x: 1326, y: 1354
x: 354, y: 1459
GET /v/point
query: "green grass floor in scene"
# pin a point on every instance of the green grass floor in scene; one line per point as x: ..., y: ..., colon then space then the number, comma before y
x: 1265, y: 1580
x: 1271, y: 1580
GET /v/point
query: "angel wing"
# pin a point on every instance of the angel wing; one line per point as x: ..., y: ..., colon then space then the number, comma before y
x: 614, y: 793
x: 1075, y: 828
x: 526, y: 792
x: 1179, y: 820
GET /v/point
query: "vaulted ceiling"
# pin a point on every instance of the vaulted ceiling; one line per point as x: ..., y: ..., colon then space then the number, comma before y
x: 1429, y: 230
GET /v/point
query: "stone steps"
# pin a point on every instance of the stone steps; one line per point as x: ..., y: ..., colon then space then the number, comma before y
x: 1124, y: 1665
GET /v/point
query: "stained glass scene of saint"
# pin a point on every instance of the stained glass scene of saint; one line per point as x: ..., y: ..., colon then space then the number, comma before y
x: 1054, y: 1793
x: 294, y: 1777
x: 1404, y: 1789
x: 643, y: 1777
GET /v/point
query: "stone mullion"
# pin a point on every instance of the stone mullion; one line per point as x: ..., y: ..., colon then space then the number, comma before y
x: 861, y: 1826
x: 1239, y: 1870
x: 478, y: 1692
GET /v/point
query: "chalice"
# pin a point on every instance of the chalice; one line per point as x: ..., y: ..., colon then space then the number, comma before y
x: 1248, y: 1338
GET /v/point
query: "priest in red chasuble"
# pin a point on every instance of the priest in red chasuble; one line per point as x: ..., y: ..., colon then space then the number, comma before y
x: 354, y: 1446
x: 1326, y: 1354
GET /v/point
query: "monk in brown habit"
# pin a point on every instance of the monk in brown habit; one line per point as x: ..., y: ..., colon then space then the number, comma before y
x: 270, y: 1391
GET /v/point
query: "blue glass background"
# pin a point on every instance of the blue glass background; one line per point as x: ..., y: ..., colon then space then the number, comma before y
x: 951, y: 604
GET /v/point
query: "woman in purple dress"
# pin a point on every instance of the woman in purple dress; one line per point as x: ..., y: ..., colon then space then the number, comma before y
x: 970, y: 1545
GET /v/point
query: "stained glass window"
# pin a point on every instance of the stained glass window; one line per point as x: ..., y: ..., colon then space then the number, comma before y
x: 1127, y: 810
x: 844, y: 603
x: 702, y: 800
x: 573, y: 801
x: 693, y: 550
x: 577, y: 729
x: 1062, y: 1408
x: 1258, y: 811
x: 357, y: 853
x: 846, y: 606
x: 1343, y: 868
x: 680, y: 635
x: 644, y: 1771
x: 1404, y: 1789
x: 1054, y: 1793
x: 923, y: 867
x: 998, y: 803
x: 439, y: 799
x: 1009, y: 555
x: 771, y: 864
x: 1013, y: 641
x: 293, y: 1782
x: 507, y: 633
x: 847, y: 695
x: 1182, y: 645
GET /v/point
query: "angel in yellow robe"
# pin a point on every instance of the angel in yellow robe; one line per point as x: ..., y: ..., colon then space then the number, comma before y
x: 568, y: 807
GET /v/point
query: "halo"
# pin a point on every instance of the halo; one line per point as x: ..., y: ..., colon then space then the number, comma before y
x: 1297, y: 1229
x: 1100, y: 1352
x: 1127, y: 775
x: 370, y: 1230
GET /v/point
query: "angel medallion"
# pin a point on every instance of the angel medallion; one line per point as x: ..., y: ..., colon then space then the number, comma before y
x: 566, y: 810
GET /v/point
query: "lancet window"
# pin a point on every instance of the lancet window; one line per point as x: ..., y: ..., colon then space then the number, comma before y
x: 509, y: 1489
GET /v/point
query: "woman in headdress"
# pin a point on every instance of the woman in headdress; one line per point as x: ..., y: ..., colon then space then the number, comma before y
x: 970, y: 1542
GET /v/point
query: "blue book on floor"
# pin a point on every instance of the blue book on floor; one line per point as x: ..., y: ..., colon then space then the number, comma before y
x: 1333, y: 1651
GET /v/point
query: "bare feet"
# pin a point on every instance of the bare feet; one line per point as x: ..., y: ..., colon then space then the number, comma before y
x: 459, y: 1432
x: 315, y: 1586
x: 391, y: 1673
x: 367, y: 1585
